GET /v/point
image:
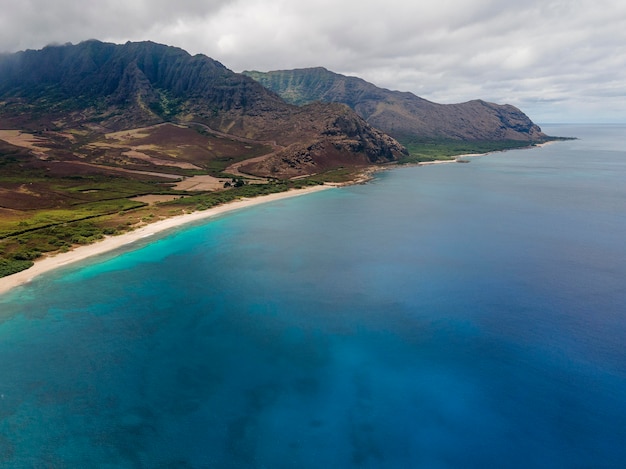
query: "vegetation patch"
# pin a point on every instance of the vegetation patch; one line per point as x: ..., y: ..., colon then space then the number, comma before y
x: 212, y: 199
x: 13, y: 266
x: 421, y: 150
x: 338, y: 176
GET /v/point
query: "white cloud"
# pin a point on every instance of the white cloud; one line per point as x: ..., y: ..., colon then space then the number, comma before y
x: 556, y: 59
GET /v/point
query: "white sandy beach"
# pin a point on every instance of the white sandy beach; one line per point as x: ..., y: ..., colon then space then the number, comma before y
x: 110, y: 243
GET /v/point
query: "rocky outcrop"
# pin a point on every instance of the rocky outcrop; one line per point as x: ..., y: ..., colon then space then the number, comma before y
x: 347, y: 140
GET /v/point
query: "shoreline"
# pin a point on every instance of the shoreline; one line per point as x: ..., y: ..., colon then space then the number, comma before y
x: 368, y: 173
x: 111, y: 243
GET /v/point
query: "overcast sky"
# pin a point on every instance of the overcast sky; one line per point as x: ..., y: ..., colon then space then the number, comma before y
x: 558, y: 60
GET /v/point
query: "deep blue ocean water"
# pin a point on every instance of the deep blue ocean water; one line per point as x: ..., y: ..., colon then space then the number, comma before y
x: 449, y: 316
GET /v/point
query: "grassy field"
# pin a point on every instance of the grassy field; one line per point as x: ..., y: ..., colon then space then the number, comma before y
x: 59, y: 190
x: 41, y: 215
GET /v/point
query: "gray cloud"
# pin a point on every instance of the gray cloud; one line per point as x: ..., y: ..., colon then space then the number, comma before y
x: 558, y: 60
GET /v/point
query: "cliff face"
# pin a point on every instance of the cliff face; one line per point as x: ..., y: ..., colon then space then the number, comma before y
x: 116, y: 87
x: 400, y: 114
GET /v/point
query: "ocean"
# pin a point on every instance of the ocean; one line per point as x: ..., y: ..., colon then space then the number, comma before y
x: 444, y: 316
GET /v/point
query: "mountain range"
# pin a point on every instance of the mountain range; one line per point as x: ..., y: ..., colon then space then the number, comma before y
x: 402, y: 115
x: 106, y: 87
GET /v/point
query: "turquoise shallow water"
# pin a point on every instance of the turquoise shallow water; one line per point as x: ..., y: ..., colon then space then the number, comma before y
x: 468, y: 315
